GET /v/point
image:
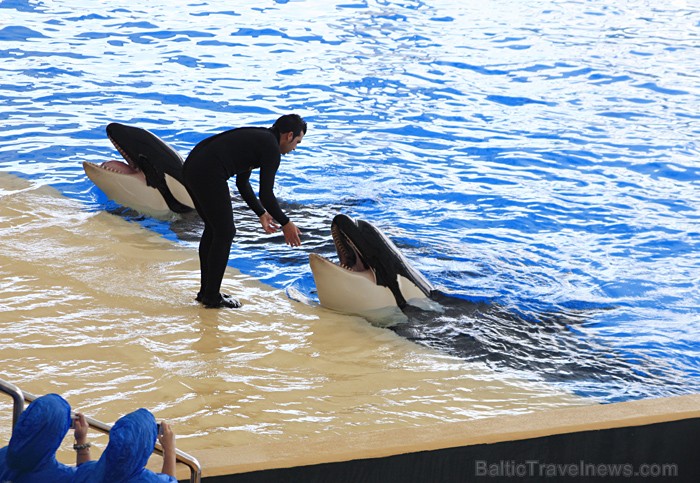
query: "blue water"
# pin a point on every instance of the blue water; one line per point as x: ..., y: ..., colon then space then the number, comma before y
x: 539, y: 156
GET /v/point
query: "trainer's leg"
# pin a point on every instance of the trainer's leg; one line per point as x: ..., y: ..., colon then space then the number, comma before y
x: 204, y: 248
x: 213, y: 202
x: 219, y: 238
x: 196, y: 184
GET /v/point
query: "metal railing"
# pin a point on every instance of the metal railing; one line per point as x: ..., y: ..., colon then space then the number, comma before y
x: 19, y: 397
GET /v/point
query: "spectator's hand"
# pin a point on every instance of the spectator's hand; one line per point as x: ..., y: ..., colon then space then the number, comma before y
x: 292, y: 234
x: 80, y: 431
x: 166, y: 437
x: 81, y: 428
x: 268, y: 223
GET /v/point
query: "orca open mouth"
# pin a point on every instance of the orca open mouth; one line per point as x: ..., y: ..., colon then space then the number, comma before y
x: 128, y: 168
x: 120, y: 167
x: 349, y: 256
x: 116, y: 167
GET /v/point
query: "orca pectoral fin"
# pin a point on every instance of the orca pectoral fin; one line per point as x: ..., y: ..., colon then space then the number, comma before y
x: 172, y: 202
x: 396, y: 291
x: 179, y: 191
x: 158, y: 180
x: 154, y: 176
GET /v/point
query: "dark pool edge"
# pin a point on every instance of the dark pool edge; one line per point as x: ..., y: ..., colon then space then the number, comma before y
x: 630, y: 438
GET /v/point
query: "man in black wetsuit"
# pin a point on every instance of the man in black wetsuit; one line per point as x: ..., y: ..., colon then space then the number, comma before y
x: 208, y: 167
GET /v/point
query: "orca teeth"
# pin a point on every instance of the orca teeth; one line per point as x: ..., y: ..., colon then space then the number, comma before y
x: 124, y: 155
x: 343, y: 253
x: 107, y: 168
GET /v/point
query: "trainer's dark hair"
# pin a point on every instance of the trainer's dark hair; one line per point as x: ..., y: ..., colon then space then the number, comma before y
x: 290, y: 123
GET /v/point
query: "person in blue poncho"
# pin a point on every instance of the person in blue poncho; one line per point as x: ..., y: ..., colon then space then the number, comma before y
x: 131, y: 442
x: 30, y: 457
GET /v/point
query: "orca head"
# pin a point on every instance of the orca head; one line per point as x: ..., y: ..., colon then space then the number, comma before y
x: 371, y: 272
x: 145, y: 151
x: 150, y: 181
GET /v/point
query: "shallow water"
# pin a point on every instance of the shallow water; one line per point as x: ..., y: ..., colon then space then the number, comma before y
x: 100, y: 310
x: 540, y: 158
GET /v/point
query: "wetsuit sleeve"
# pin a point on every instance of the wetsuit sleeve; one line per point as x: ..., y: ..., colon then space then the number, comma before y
x: 267, y: 194
x: 247, y: 193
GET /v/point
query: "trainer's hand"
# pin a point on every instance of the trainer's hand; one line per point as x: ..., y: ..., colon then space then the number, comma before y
x: 292, y: 234
x: 268, y: 223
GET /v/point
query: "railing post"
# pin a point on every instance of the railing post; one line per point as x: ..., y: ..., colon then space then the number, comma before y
x: 17, y: 400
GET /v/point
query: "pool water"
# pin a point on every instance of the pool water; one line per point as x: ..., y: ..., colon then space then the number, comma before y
x: 537, y: 161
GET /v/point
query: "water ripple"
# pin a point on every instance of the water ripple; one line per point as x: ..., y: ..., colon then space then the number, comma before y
x: 540, y: 154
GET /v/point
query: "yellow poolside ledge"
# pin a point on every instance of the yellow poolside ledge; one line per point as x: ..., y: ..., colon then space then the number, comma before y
x: 385, y: 443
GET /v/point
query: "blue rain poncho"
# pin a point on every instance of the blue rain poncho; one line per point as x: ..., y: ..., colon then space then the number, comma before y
x: 30, y: 457
x: 131, y: 442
